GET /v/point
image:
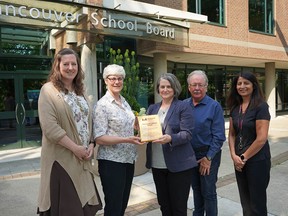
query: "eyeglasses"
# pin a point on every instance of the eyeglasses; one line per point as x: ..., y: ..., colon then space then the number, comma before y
x: 113, y: 79
x: 194, y: 85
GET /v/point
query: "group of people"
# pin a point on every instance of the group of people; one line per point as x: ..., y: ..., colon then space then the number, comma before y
x: 188, y: 154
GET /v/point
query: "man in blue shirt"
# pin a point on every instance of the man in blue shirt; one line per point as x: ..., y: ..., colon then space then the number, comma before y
x: 207, y: 140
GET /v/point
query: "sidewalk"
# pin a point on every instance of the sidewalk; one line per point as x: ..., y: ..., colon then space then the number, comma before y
x: 19, y: 181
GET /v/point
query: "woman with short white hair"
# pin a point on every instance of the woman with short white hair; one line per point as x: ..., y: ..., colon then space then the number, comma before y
x: 114, y: 132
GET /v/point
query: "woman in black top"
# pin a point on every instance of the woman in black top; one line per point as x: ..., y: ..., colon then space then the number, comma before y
x: 249, y: 147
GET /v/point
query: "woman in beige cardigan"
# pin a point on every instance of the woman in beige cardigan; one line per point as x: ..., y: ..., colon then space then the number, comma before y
x: 67, y: 185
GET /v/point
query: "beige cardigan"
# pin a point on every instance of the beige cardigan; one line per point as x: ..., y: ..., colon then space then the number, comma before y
x: 56, y: 121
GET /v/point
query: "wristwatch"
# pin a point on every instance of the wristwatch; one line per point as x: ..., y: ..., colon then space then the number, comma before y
x: 209, y: 158
x: 243, y: 158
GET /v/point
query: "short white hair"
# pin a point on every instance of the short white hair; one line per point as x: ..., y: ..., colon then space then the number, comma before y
x: 113, y: 69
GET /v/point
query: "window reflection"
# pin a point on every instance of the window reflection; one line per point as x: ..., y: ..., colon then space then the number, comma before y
x: 261, y: 16
x: 214, y: 9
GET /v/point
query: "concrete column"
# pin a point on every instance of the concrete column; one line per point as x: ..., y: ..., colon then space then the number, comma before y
x: 89, y: 66
x: 160, y: 67
x: 270, y: 89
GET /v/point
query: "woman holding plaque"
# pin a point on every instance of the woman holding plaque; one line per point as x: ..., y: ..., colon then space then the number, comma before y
x: 114, y: 132
x: 171, y: 157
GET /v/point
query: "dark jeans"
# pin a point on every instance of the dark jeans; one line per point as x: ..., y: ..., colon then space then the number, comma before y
x: 116, y: 179
x: 252, y: 184
x: 172, y: 191
x: 204, y: 188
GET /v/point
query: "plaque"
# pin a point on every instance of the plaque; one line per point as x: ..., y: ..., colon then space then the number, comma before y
x: 150, y: 127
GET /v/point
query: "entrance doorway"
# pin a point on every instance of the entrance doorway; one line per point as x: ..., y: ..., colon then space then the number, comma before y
x: 19, y: 122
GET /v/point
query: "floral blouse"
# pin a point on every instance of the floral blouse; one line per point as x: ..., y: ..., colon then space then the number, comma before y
x: 111, y: 119
x: 80, y: 110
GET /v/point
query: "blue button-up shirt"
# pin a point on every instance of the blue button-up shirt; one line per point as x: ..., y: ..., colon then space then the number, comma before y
x: 209, y: 125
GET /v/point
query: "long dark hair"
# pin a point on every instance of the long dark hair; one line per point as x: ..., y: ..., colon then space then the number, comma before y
x: 55, y: 75
x: 234, y: 99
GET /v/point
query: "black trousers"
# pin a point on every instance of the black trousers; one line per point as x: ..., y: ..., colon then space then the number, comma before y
x: 116, y: 179
x: 252, y: 184
x: 172, y: 191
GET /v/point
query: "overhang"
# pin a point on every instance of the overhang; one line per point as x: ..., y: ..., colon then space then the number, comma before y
x: 178, y: 17
x: 133, y: 19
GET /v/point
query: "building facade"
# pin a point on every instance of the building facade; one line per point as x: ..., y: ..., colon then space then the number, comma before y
x: 221, y: 37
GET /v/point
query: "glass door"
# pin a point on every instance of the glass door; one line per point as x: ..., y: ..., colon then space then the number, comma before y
x: 19, y: 122
x: 8, y: 124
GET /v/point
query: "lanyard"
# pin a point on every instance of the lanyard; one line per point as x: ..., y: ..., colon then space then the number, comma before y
x: 241, y: 117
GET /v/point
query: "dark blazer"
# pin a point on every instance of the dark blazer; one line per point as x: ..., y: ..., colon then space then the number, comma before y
x: 178, y: 123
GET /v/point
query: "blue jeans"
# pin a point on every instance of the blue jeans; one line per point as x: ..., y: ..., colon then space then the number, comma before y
x: 204, y: 188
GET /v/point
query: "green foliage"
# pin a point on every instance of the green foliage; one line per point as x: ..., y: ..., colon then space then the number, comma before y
x: 131, y: 82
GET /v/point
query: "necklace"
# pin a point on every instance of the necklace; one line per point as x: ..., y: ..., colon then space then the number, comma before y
x: 163, y: 110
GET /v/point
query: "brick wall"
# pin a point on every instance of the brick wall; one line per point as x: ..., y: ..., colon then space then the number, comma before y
x: 235, y: 39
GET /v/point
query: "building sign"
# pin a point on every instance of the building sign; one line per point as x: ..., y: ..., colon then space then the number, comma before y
x: 68, y: 16
x: 112, y: 21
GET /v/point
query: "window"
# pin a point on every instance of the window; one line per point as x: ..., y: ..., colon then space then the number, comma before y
x: 214, y: 9
x: 261, y: 16
x: 281, y: 90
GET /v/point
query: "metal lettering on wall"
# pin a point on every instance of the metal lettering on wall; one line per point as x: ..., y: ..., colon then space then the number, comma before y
x: 52, y: 15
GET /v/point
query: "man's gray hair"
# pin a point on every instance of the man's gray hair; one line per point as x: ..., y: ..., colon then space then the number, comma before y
x: 198, y: 72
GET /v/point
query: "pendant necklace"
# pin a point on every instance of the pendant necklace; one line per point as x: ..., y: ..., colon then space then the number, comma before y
x: 164, y: 110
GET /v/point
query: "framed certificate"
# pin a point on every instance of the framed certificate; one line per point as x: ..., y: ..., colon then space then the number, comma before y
x: 150, y: 127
